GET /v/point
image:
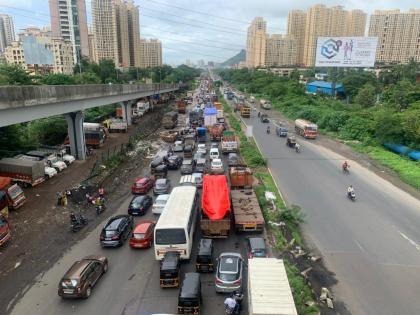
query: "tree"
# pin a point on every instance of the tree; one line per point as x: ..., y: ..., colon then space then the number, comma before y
x: 87, y: 78
x: 366, y: 96
x: 388, y: 127
x: 57, y: 79
x: 354, y: 81
x: 11, y: 74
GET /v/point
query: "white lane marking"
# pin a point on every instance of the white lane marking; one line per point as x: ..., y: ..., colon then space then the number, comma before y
x: 417, y: 246
x: 360, y: 246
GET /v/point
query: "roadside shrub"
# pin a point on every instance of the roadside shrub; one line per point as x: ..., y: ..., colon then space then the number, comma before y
x: 333, y: 121
x: 357, y: 128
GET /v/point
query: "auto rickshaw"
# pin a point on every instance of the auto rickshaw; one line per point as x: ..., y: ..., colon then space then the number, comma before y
x: 170, y: 270
x: 291, y: 141
x: 189, y: 298
x: 204, y: 261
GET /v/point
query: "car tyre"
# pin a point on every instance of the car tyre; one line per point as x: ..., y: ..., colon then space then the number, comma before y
x: 105, y: 268
x: 88, y: 292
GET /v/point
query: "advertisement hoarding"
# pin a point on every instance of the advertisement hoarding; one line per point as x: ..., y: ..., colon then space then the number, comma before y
x: 345, y: 51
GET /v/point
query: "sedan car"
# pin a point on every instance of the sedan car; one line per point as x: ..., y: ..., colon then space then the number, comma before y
x: 256, y: 247
x: 201, y: 165
x: 117, y: 230
x: 178, y: 148
x: 187, y: 166
x: 202, y: 147
x: 139, y: 205
x: 160, y: 203
x: 174, y: 162
x: 216, y: 166
x: 142, y: 185
x: 142, y: 236
x: 264, y: 118
x: 162, y: 186
x: 82, y: 276
x: 229, y: 272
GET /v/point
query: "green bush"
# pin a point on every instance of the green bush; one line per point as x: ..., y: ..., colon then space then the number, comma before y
x: 357, y: 128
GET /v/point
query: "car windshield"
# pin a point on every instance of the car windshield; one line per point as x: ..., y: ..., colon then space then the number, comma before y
x: 259, y: 252
x: 227, y: 276
x: 160, y: 201
x: 170, y: 236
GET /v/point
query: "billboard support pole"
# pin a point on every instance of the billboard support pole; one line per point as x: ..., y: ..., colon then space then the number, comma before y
x: 334, y: 81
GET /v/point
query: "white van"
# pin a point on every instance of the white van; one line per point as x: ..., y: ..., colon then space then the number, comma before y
x: 214, y: 153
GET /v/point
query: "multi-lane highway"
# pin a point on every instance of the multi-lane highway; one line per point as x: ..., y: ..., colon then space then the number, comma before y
x: 372, y: 245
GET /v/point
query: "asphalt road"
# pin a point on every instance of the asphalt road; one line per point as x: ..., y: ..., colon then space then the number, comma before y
x: 131, y: 285
x: 372, y: 245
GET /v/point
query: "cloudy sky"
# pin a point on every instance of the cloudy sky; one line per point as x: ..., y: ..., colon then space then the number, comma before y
x: 201, y: 29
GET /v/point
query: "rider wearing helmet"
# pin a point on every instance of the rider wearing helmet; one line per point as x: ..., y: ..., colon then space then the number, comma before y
x: 350, y: 190
x: 345, y: 165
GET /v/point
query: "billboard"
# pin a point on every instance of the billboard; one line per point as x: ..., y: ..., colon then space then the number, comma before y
x: 345, y: 51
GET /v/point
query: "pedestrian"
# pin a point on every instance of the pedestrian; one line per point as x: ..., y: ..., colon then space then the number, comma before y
x: 64, y: 200
x: 58, y: 198
x: 101, y: 192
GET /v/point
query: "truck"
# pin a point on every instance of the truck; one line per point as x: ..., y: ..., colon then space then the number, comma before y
x: 14, y: 194
x: 182, y: 106
x: 210, y: 116
x: 215, y: 207
x: 5, y: 232
x: 218, y: 105
x: 50, y: 159
x: 265, y: 104
x: 140, y: 109
x: 170, y: 120
x: 246, y: 211
x: 59, y: 152
x: 269, y: 290
x: 21, y: 170
x: 245, y: 111
x: 95, y: 135
x: 189, y: 140
x: 230, y: 142
x: 190, y: 94
x: 240, y: 177
x: 306, y: 129
x: 216, y: 132
x: 201, y: 134
x: 116, y: 125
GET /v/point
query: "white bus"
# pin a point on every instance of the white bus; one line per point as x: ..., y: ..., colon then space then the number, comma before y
x: 175, y: 228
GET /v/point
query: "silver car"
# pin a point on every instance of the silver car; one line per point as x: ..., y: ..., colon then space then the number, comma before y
x: 229, y: 272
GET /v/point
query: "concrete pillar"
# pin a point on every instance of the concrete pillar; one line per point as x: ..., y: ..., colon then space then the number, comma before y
x: 76, y: 134
x: 126, y: 111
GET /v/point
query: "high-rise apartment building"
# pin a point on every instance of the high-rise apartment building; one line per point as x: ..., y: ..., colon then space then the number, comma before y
x: 92, y: 45
x: 256, y: 43
x: 7, y: 31
x: 356, y: 23
x: 104, y: 29
x: 296, y: 22
x: 280, y: 50
x: 150, y: 53
x: 68, y: 20
x: 398, y: 35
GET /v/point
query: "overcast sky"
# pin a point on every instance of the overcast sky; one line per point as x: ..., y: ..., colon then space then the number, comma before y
x: 201, y: 29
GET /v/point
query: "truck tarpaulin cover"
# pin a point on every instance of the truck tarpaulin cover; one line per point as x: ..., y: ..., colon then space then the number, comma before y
x: 4, y: 182
x: 215, y: 201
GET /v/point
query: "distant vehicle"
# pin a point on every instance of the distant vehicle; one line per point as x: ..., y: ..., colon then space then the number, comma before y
x: 265, y: 104
x: 178, y: 148
x: 82, y: 276
x: 214, y: 153
x: 195, y: 179
x: 160, y: 203
x: 189, y: 297
x: 187, y: 166
x: 28, y: 172
x: 139, y: 205
x: 162, y: 186
x: 116, y: 231
x: 281, y: 131
x: 264, y: 118
x: 306, y: 128
x: 229, y: 272
x: 142, y: 185
x: 5, y: 233
x: 233, y: 159
x: 202, y: 147
x: 142, y: 236
x: 256, y: 247
x: 216, y: 166
x: 201, y: 165
x: 174, y: 162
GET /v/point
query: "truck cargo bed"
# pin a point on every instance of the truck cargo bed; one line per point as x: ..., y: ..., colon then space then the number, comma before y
x: 247, y: 211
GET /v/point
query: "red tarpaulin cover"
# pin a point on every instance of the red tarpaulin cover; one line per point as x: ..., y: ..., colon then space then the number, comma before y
x: 215, y: 199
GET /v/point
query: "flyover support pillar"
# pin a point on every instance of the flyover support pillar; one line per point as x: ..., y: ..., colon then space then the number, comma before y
x: 126, y: 111
x: 76, y: 134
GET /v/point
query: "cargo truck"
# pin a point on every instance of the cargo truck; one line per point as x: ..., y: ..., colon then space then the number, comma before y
x: 269, y: 291
x: 246, y: 211
x: 170, y: 120
x: 240, y: 177
x: 306, y: 129
x: 230, y: 142
x: 116, y: 125
x: 20, y: 170
x: 216, y: 132
x: 215, y: 207
x: 14, y: 194
x: 245, y: 111
x: 5, y: 232
x: 182, y: 106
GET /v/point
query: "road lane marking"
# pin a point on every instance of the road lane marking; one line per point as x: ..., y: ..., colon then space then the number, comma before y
x: 417, y: 246
x: 360, y: 246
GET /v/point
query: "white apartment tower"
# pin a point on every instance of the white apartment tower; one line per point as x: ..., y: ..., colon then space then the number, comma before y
x: 256, y: 43
x: 7, y: 31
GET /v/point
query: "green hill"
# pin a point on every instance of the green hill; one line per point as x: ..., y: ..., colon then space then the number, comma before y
x: 234, y: 60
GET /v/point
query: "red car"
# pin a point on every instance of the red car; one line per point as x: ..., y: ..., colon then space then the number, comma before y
x: 142, y: 185
x: 142, y: 236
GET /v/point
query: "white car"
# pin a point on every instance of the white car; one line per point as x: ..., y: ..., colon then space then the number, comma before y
x: 160, y: 203
x: 57, y: 164
x: 202, y: 146
x: 49, y: 172
x: 214, y: 153
x: 217, y: 166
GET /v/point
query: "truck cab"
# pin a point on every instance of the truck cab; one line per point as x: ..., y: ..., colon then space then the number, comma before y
x: 5, y: 233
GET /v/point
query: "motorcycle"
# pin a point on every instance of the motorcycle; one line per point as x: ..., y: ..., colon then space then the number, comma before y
x: 268, y: 130
x: 297, y: 149
x: 351, y: 195
x: 346, y: 169
x: 237, y: 309
x: 79, y: 222
x: 100, y: 207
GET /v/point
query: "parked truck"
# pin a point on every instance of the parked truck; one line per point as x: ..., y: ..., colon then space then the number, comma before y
x: 140, y: 109
x: 20, y: 170
x: 116, y: 125
x: 95, y: 135
x: 5, y: 232
x: 170, y: 120
x: 246, y: 211
x: 230, y: 142
x: 269, y: 291
x: 50, y: 159
x: 265, y: 104
x: 216, y: 132
x: 14, y: 194
x: 306, y: 129
x: 182, y: 106
x: 215, y: 207
x: 245, y: 111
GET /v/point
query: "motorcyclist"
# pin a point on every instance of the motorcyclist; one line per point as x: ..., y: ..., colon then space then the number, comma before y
x: 345, y: 166
x: 268, y: 129
x: 259, y: 114
x: 73, y: 218
x: 297, y: 147
x: 350, y: 191
x: 230, y: 304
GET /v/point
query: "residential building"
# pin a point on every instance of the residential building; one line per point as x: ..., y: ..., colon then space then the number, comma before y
x: 150, y: 53
x: 281, y: 50
x: 92, y: 45
x: 296, y: 23
x: 104, y: 30
x: 68, y: 20
x: 398, y: 35
x: 7, y: 31
x: 356, y: 23
x: 256, y: 43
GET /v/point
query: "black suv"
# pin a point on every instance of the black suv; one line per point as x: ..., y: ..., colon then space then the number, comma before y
x: 174, y: 162
x: 116, y: 231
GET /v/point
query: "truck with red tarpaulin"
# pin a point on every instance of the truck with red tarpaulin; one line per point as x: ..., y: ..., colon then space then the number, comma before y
x: 215, y: 207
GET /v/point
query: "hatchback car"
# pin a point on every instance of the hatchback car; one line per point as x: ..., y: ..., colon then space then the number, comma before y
x: 217, y: 166
x: 229, y: 271
x: 233, y: 159
x: 142, y: 185
x: 82, y: 276
x: 201, y: 165
x: 256, y: 247
x: 187, y: 166
x: 160, y: 203
x: 139, y: 205
x: 142, y: 236
x: 202, y: 147
x: 174, y: 162
x: 162, y: 186
x: 214, y: 153
x: 117, y: 230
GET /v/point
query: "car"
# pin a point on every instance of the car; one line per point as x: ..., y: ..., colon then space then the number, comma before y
x: 201, y: 151
x: 198, y: 156
x: 178, y: 148
x: 256, y: 247
x: 214, y: 153
x: 116, y: 231
x: 187, y: 166
x: 229, y: 272
x: 160, y: 203
x: 201, y: 165
x: 264, y: 118
x: 82, y: 276
x: 216, y: 166
x: 195, y: 179
x: 233, y: 159
x: 214, y: 145
x: 139, y: 205
x: 174, y: 162
x: 202, y: 147
x: 142, y: 185
x: 159, y: 160
x: 198, y: 179
x: 142, y: 236
x: 162, y: 186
